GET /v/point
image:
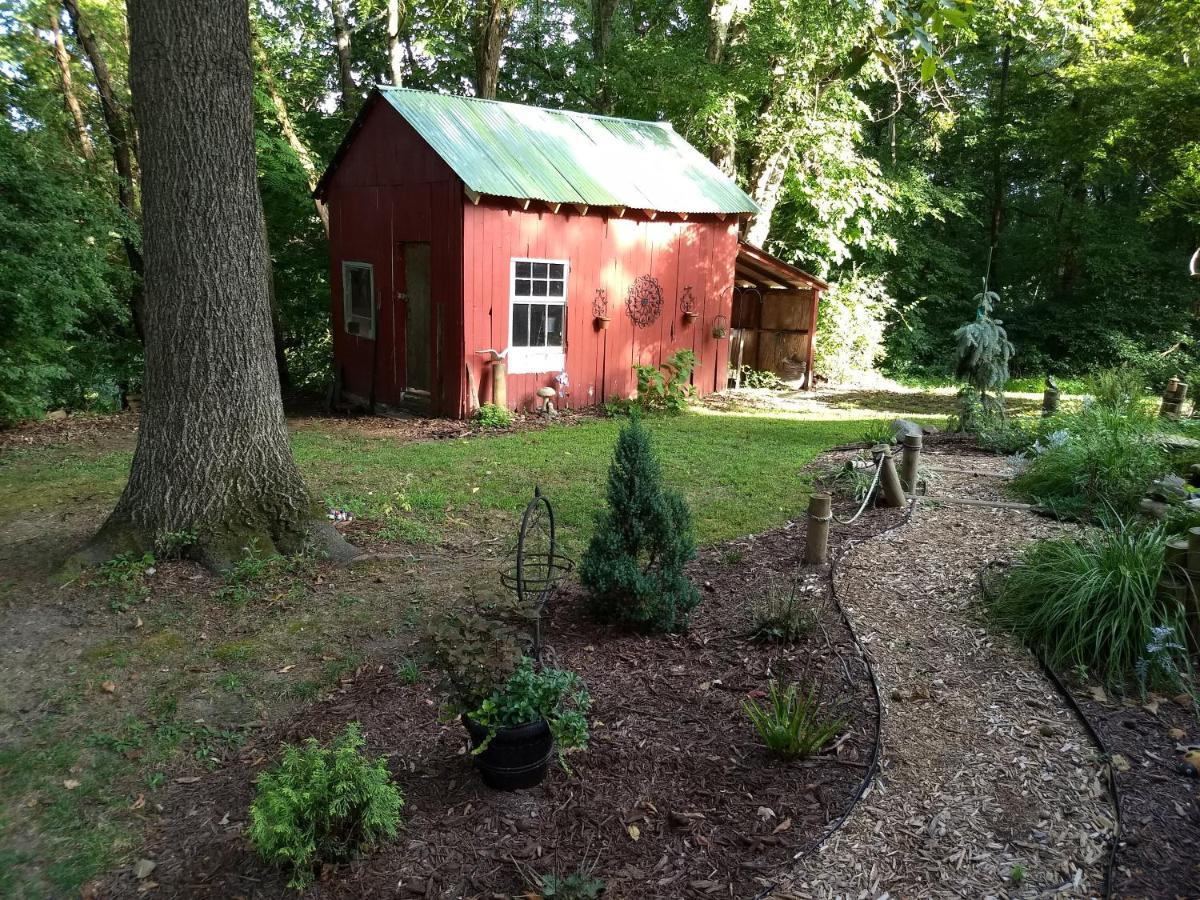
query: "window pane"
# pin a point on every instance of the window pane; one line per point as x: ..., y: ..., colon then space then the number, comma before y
x: 555, y: 288
x: 360, y: 292
x: 520, y: 325
x: 539, y: 288
x: 522, y: 287
x: 522, y: 270
x: 537, y: 325
x: 556, y: 270
x: 554, y: 326
x: 539, y: 270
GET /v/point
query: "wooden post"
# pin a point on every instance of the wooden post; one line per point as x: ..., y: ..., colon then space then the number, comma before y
x: 1049, y: 401
x: 1187, y: 583
x: 816, y: 538
x: 499, y: 383
x: 889, y: 482
x: 910, y: 463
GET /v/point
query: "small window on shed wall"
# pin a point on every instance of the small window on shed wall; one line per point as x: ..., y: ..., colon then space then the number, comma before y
x: 538, y: 304
x: 358, y: 298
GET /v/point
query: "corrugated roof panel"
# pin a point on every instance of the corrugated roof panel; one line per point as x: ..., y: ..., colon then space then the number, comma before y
x: 525, y: 152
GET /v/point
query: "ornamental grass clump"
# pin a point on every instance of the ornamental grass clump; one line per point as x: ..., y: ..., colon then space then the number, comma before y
x: 1090, y: 601
x: 1098, y: 463
x: 633, y: 566
x: 792, y: 724
x: 323, y: 804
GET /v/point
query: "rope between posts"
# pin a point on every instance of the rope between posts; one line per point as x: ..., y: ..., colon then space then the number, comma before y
x: 866, y: 499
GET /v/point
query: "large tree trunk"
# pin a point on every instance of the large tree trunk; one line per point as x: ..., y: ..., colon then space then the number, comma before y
x: 341, y: 37
x: 213, y: 460
x: 489, y: 27
x: 603, y: 13
x: 68, y: 87
x: 767, y: 176
x: 721, y: 14
x: 395, y: 56
x: 119, y: 134
x: 999, y: 181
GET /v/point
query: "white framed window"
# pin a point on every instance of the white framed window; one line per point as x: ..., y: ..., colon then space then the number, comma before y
x: 537, y: 320
x: 358, y: 298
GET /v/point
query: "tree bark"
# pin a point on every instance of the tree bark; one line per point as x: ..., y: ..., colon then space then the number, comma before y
x: 123, y: 155
x: 341, y: 37
x: 603, y: 13
x: 395, y: 56
x: 767, y: 174
x: 999, y: 181
x: 68, y: 87
x: 489, y: 27
x: 212, y: 460
x: 721, y: 14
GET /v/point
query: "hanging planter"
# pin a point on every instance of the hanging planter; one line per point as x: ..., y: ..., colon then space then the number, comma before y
x: 602, y: 322
x: 720, y: 327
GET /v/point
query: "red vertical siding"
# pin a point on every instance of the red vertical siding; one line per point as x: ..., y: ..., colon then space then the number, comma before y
x: 607, y: 253
x: 390, y: 188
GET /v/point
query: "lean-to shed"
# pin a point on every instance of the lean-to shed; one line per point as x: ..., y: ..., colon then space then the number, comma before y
x: 574, y: 246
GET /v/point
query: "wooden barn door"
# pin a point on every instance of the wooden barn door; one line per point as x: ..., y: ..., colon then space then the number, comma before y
x: 417, y: 346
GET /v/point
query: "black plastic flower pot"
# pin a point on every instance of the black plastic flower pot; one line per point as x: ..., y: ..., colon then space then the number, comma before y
x: 517, y: 758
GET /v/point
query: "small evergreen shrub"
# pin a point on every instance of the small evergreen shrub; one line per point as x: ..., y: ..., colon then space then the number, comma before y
x: 633, y: 566
x: 982, y: 353
x: 1097, y: 462
x: 530, y: 694
x: 782, y: 614
x: 1089, y: 601
x: 492, y: 416
x: 323, y: 804
x: 792, y: 724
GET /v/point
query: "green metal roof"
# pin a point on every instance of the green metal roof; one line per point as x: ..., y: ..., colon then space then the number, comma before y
x: 526, y: 152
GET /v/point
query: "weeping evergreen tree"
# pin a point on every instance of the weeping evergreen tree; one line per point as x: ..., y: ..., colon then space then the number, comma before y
x: 982, y: 354
x: 633, y: 566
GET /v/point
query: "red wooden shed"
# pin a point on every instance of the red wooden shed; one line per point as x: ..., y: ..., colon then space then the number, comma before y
x: 573, y: 245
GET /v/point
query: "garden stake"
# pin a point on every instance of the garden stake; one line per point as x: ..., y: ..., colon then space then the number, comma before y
x: 816, y: 538
x: 889, y: 481
x: 910, y: 462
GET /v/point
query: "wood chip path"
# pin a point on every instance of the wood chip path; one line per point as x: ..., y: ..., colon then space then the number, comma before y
x: 988, y: 786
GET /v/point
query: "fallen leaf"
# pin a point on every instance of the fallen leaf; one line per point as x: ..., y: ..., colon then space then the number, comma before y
x: 139, y: 802
x: 765, y: 813
x: 286, y: 669
x: 224, y: 819
x: 1151, y: 707
x: 108, y: 687
x: 147, y: 886
x: 1120, y: 763
x: 1098, y: 694
x: 138, y: 623
x: 187, y: 779
x: 1177, y: 734
x: 634, y: 831
x: 142, y: 868
x: 70, y: 784
x: 782, y: 826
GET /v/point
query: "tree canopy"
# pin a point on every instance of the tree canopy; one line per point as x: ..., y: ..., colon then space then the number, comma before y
x: 895, y: 147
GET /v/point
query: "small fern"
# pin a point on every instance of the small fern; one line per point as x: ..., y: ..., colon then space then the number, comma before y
x: 323, y: 804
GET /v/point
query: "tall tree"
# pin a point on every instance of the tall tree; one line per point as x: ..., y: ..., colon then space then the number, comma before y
x: 212, y: 460
x: 341, y: 40
x: 395, y: 51
x: 120, y: 134
x: 63, y: 58
x: 490, y: 21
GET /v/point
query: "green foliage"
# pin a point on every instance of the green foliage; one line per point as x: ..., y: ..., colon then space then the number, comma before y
x: 555, y: 695
x: 634, y: 564
x: 1122, y: 390
x: 575, y: 886
x: 879, y: 431
x: 666, y: 387
x: 982, y: 353
x: 1096, y: 462
x: 782, y: 613
x: 752, y: 378
x: 1008, y: 436
x: 853, y: 314
x: 323, y: 804
x: 492, y: 416
x: 792, y: 724
x: 1090, y: 601
x: 475, y: 654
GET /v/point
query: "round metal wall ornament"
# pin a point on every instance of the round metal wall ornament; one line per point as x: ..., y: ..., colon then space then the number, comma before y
x: 644, y: 301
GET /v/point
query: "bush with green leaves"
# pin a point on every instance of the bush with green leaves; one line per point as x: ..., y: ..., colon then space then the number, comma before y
x: 1122, y: 390
x: 792, y: 724
x: 633, y: 567
x: 666, y: 387
x: 323, y: 804
x: 853, y: 317
x: 492, y: 416
x: 555, y: 695
x: 1095, y: 463
x: 1089, y: 601
x: 783, y: 613
x: 750, y: 377
x: 474, y: 653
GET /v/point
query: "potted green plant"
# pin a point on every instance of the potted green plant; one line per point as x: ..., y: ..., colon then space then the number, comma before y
x: 514, y: 711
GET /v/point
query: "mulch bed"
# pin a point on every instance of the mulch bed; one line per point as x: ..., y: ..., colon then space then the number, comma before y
x: 673, y: 798
x: 1159, y: 851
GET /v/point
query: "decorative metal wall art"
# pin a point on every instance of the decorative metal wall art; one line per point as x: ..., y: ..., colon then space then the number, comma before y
x: 644, y: 301
x: 687, y: 305
x: 600, y: 304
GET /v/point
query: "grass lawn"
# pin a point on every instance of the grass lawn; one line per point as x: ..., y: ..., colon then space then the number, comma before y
x: 151, y: 670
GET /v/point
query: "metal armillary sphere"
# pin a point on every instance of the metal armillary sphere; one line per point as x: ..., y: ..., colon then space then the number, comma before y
x: 537, y: 564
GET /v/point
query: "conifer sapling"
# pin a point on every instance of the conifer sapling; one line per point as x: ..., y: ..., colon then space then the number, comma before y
x: 634, y: 563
